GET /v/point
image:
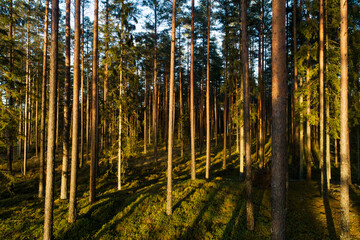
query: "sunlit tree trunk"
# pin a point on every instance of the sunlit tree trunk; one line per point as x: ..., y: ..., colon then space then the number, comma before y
x: 26, y: 112
x: 171, y: 113
x: 245, y: 62
x: 10, y: 130
x: 155, y: 94
x: 261, y: 97
x: 344, y: 127
x: 75, y: 116
x: 50, y: 164
x: 120, y: 111
x: 279, y: 105
x: 94, y: 106
x: 82, y: 88
x: 192, y: 107
x: 208, y: 98
x: 43, y: 106
x: 322, y: 100
x: 65, y: 160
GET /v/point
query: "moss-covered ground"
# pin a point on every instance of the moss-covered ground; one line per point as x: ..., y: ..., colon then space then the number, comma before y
x: 202, y: 209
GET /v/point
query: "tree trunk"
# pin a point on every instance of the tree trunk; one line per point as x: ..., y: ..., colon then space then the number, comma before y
x: 171, y: 114
x: 245, y: 61
x: 26, y: 114
x: 82, y: 88
x: 155, y: 97
x: 192, y: 107
x: 308, y: 112
x: 145, y: 114
x: 106, y: 77
x: 50, y: 164
x: 43, y: 106
x: 344, y: 128
x: 322, y: 101
x: 242, y: 146
x: 279, y: 102
x: 94, y: 106
x: 208, y: 98
x: 120, y: 111
x: 75, y: 116
x: 65, y: 160
x: 10, y: 130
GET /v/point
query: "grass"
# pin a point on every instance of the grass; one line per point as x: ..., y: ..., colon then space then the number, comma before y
x: 202, y: 209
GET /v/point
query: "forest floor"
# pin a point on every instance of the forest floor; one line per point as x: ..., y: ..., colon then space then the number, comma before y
x: 213, y: 209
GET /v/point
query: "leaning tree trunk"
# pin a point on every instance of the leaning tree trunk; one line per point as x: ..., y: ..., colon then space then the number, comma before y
x: 50, y: 165
x: 344, y: 127
x: 75, y: 116
x: 279, y: 102
x: 245, y: 61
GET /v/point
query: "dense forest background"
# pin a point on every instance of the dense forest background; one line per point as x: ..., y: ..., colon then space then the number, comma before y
x: 158, y: 119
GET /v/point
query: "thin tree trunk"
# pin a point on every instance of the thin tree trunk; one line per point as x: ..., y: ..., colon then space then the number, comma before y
x: 245, y: 60
x: 120, y: 111
x: 94, y: 106
x: 155, y: 94
x: 75, y: 116
x: 106, y: 72
x: 308, y: 126
x: 26, y: 114
x: 192, y: 107
x: 208, y: 98
x: 50, y: 164
x: 82, y: 88
x: 322, y: 101
x: 10, y: 130
x: 65, y: 160
x: 43, y: 106
x: 145, y: 114
x: 336, y: 153
x: 279, y: 102
x: 261, y: 97
x: 242, y: 146
x: 344, y: 128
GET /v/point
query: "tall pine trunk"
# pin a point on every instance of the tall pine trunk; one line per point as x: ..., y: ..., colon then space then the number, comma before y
x: 279, y: 115
x: 75, y: 116
x: 208, y: 98
x: 50, y: 164
x: 171, y: 113
x: 245, y: 62
x: 43, y: 106
x: 94, y: 107
x: 65, y: 160
x: 344, y: 127
x: 192, y: 107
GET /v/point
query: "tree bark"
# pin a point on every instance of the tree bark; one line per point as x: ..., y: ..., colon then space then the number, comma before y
x: 344, y: 127
x: 75, y: 116
x: 65, y: 160
x: 208, y: 98
x: 308, y: 112
x: 43, y: 106
x: 279, y: 143
x: 171, y: 113
x: 245, y: 61
x: 50, y: 165
x: 82, y: 88
x: 94, y: 106
x: 322, y: 101
x: 192, y: 107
